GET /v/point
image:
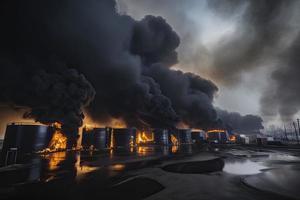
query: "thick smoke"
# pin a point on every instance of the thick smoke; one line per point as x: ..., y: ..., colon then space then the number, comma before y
x: 267, y: 35
x: 242, y: 124
x: 73, y: 54
x: 258, y: 37
x: 284, y: 96
x: 191, y: 95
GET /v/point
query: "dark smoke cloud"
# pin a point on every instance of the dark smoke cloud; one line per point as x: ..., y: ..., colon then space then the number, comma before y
x: 265, y: 35
x: 154, y: 40
x: 284, y: 96
x: 264, y: 38
x: 255, y: 40
x: 239, y: 123
x: 58, y: 97
x: 121, y: 60
x: 191, y: 95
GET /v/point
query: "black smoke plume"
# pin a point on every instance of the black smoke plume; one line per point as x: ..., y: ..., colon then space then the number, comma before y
x: 122, y: 61
x: 59, y: 57
x: 239, y: 123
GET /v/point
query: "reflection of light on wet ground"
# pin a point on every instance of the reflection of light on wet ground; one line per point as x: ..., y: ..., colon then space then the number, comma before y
x: 145, y: 150
x: 117, y: 167
x: 284, y: 157
x: 83, y: 169
x: 55, y: 159
x: 284, y: 181
x: 245, y: 167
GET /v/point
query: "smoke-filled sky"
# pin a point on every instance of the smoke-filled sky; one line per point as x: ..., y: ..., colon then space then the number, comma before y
x: 149, y: 62
x: 250, y: 49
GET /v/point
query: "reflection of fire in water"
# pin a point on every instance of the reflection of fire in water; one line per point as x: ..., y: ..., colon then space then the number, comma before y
x: 143, y: 137
x: 144, y: 150
x: 174, y: 140
x: 55, y: 159
x: 83, y: 169
x: 112, y: 139
x: 117, y: 167
x: 174, y: 148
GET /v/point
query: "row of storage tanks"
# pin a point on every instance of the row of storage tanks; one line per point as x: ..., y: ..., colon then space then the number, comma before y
x: 27, y: 139
x: 101, y: 138
x: 33, y: 138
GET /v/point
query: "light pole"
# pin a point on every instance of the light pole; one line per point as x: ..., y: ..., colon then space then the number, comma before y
x: 286, y: 137
x: 294, y: 124
x: 298, y: 130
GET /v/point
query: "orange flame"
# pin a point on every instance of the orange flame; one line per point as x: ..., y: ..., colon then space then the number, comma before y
x: 144, y: 137
x: 232, y: 138
x: 174, y: 148
x: 112, y: 122
x: 215, y: 131
x: 174, y: 140
x: 55, y: 159
x: 58, y: 141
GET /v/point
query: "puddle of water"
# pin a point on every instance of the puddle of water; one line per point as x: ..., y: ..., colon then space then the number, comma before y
x: 246, y: 167
x: 283, y: 157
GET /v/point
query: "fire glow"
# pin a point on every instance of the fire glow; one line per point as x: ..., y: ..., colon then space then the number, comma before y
x: 143, y: 137
x: 174, y: 140
x: 215, y: 131
x: 58, y: 141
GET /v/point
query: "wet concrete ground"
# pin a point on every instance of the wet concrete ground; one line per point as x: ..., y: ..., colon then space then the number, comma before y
x: 187, y: 172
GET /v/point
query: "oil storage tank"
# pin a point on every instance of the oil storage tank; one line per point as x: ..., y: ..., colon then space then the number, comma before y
x: 217, y: 136
x: 123, y: 137
x: 184, y: 136
x: 98, y: 138
x: 161, y: 137
x: 22, y: 139
x: 198, y: 136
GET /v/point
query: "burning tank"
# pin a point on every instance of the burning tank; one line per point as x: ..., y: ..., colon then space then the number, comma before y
x: 144, y: 137
x: 217, y: 136
x: 96, y: 138
x: 198, y: 136
x: 123, y: 137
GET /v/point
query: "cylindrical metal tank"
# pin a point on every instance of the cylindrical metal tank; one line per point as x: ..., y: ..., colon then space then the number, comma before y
x: 185, y: 136
x: 161, y: 137
x: 123, y: 137
x: 99, y: 138
x: 87, y: 138
x: 198, y: 136
x: 24, y: 139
